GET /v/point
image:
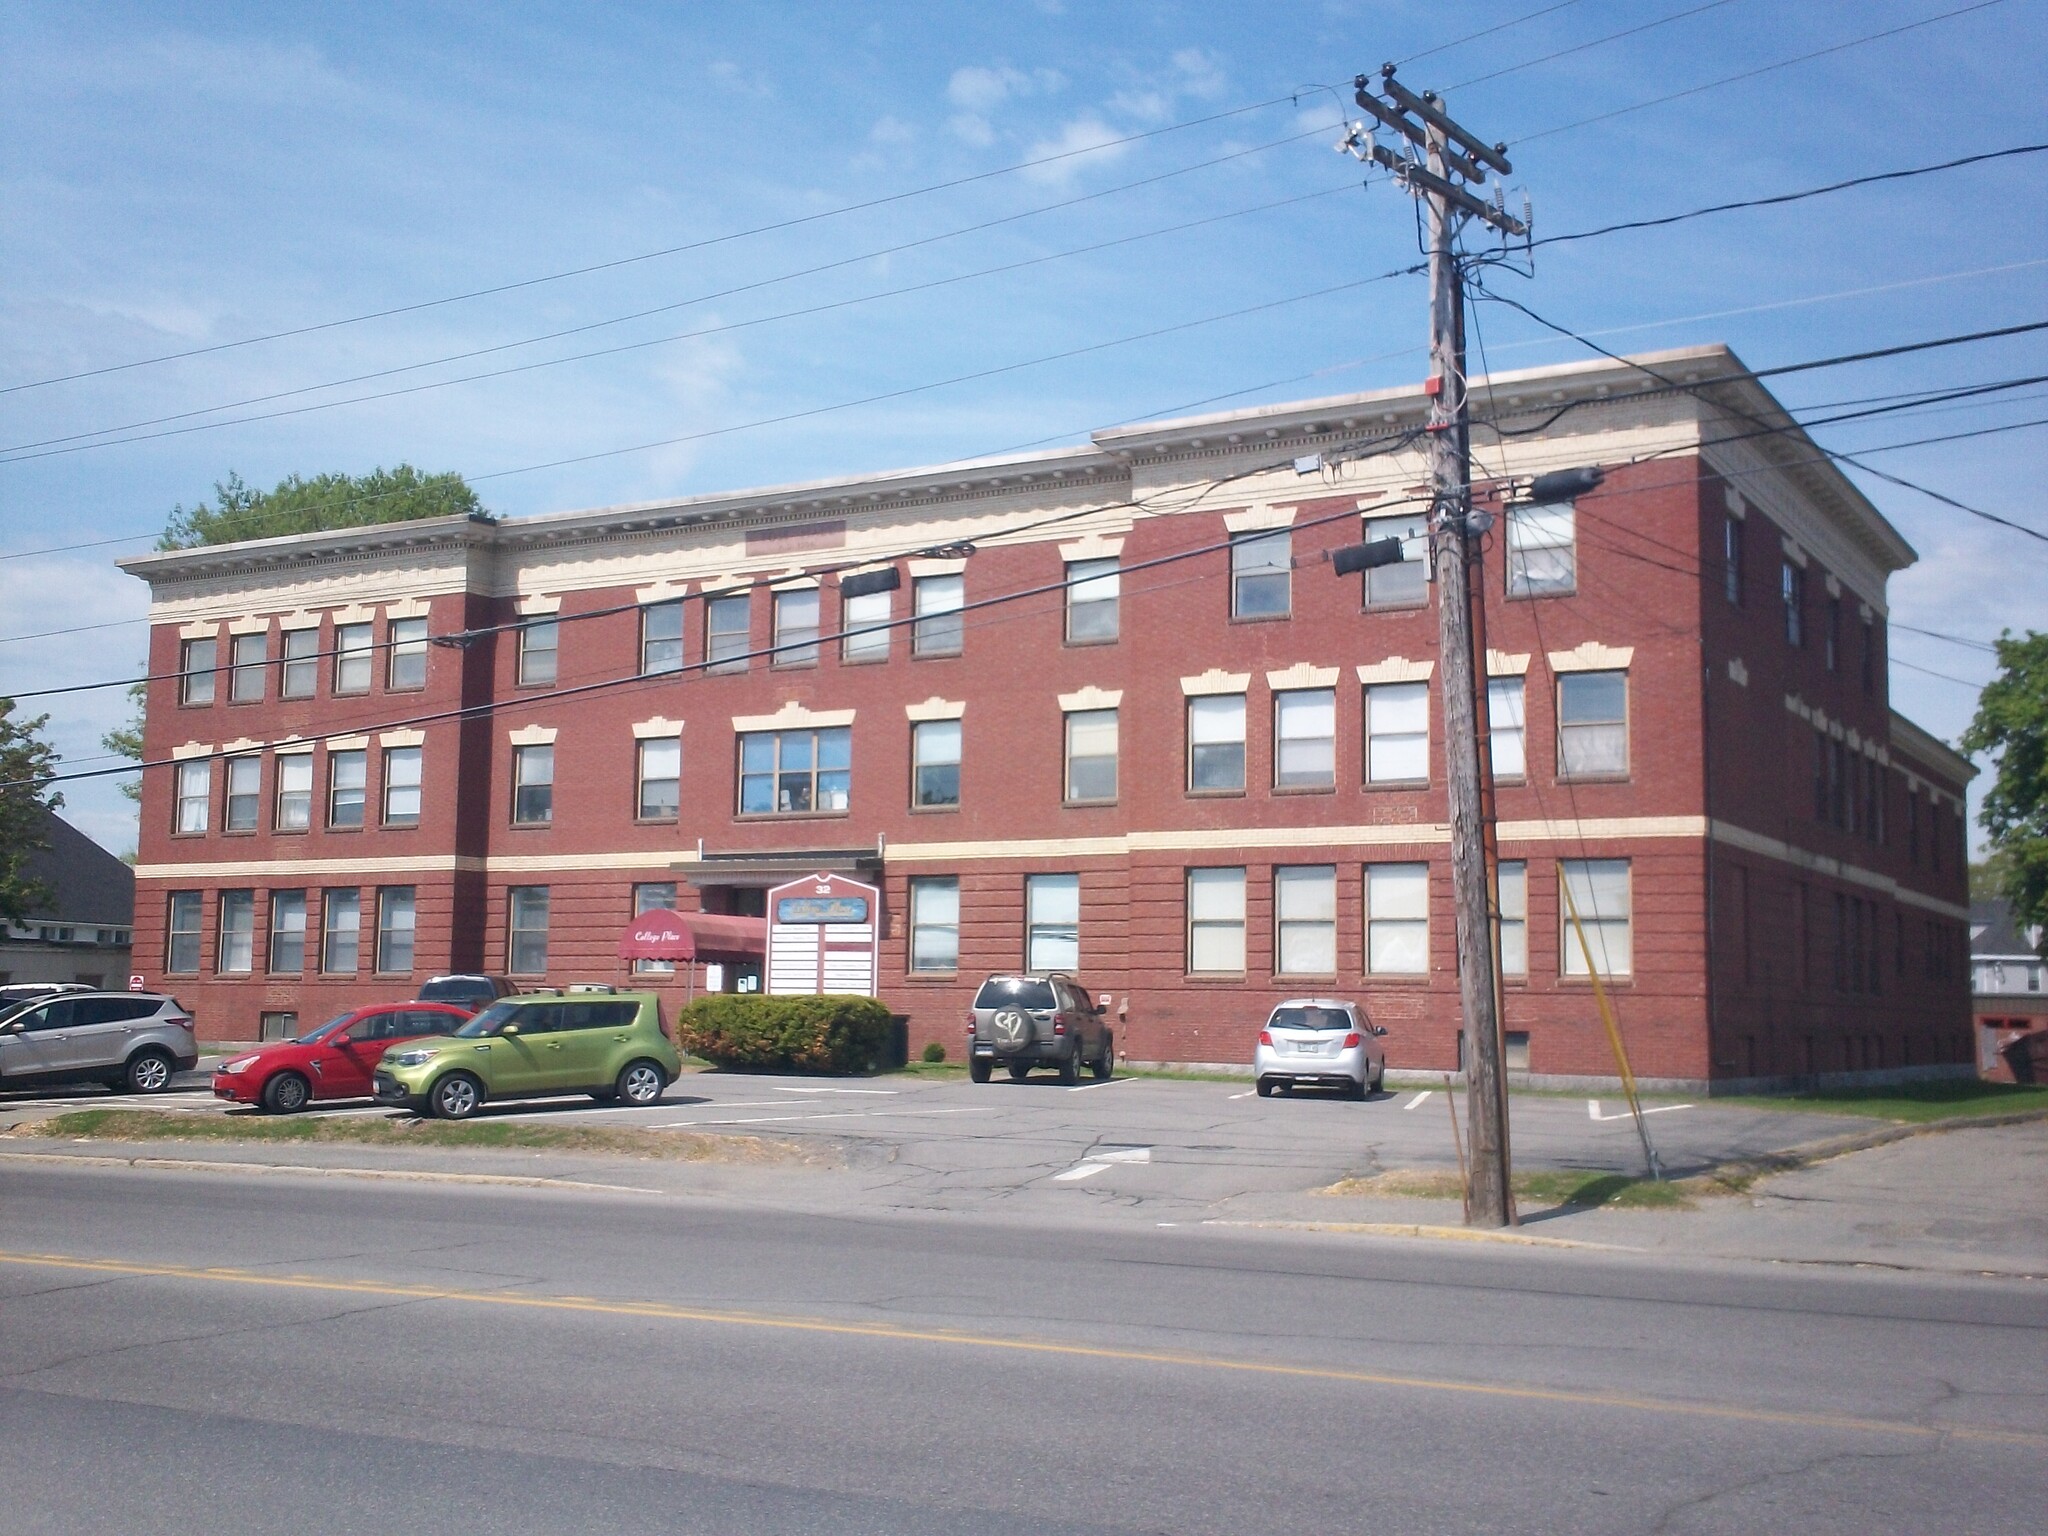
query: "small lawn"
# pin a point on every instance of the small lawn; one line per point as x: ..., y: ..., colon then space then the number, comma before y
x: 1915, y: 1103
x: 1534, y: 1190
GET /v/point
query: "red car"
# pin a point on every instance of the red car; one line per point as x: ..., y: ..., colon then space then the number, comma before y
x: 332, y: 1062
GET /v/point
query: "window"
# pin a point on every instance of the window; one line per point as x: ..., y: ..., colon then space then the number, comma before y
x: 1052, y: 923
x: 1913, y: 823
x: 1397, y: 733
x: 1792, y: 591
x: 1507, y: 725
x: 727, y: 637
x: 1592, y: 725
x: 195, y: 672
x: 352, y: 648
x: 248, y: 656
x: 1831, y: 646
x: 656, y: 896
x: 299, y: 672
x: 340, y: 932
x: 526, y: 939
x: 935, y: 924
x: 406, y: 667
x: 1731, y: 560
x: 1091, y: 755
x: 181, y: 943
x: 1514, y: 918
x: 539, y: 650
x: 661, y: 638
x: 294, y: 791
x: 1406, y: 583
x: 1305, y: 920
x: 796, y: 773
x: 1543, y: 555
x: 935, y: 763
x: 1216, y: 743
x: 287, y: 932
x: 1093, y: 589
x: 1397, y: 919
x: 1261, y: 574
x: 195, y: 796
x: 533, y: 786
x: 395, y: 929
x: 938, y: 629
x: 1216, y: 922
x: 1869, y: 657
x: 1599, y: 890
x: 244, y: 805
x: 659, y: 774
x: 1305, y: 739
x: 402, y: 786
x: 348, y: 775
x: 865, y: 619
x: 796, y: 628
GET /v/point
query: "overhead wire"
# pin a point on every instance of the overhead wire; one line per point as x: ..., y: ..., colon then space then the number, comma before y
x: 1473, y: 37
x: 1598, y: 42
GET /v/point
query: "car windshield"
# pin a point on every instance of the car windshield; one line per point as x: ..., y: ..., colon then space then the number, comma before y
x: 1015, y: 991
x: 314, y: 1034
x: 490, y: 1021
x: 455, y: 989
x: 1311, y: 1017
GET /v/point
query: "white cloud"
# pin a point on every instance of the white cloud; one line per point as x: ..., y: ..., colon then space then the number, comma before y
x: 1084, y: 141
x: 979, y: 90
x: 892, y: 130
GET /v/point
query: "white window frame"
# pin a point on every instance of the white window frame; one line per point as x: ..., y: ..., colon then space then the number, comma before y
x: 1576, y: 737
x: 235, y: 927
x: 1304, y: 919
x: 1392, y: 738
x: 935, y: 745
x: 404, y: 779
x: 355, y: 650
x: 1305, y: 728
x: 1404, y: 584
x: 529, y: 764
x: 937, y: 603
x: 726, y: 645
x: 405, y: 668
x: 1603, y: 891
x: 287, y: 932
x: 866, y: 620
x: 796, y: 617
x: 540, y: 653
x: 527, y: 912
x: 1543, y: 549
x: 1052, y: 923
x: 934, y: 925
x: 654, y: 896
x: 292, y: 793
x: 1507, y: 727
x: 1216, y: 721
x: 1514, y: 918
x: 397, y: 929
x: 1094, y: 601
x: 1397, y: 919
x: 1261, y: 562
x: 298, y: 664
x: 826, y: 793
x: 1090, y: 725
x: 341, y: 931
x: 192, y: 809
x: 661, y: 638
x: 1216, y: 922
x: 184, y: 933
x: 348, y: 787
x: 648, y: 752
x: 198, y: 661
x: 245, y: 675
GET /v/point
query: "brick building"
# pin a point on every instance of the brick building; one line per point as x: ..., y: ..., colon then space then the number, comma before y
x: 1119, y: 717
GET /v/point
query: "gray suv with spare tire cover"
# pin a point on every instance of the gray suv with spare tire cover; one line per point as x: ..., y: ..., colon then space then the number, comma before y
x: 1043, y: 1020
x: 133, y: 1042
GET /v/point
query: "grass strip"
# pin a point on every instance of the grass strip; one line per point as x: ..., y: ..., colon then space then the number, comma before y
x: 1547, y: 1187
x: 1911, y: 1103
x: 365, y: 1130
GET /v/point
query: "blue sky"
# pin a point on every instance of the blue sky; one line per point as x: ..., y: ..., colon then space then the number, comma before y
x: 181, y: 176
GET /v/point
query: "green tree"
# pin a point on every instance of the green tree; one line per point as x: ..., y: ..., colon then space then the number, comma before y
x: 27, y: 763
x: 2011, y: 728
x: 126, y: 740
x: 299, y: 505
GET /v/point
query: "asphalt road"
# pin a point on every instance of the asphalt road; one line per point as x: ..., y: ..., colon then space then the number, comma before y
x: 218, y: 1354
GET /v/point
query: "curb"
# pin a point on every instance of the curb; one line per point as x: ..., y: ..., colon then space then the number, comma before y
x: 1419, y: 1229
x: 398, y: 1175
x: 1806, y: 1154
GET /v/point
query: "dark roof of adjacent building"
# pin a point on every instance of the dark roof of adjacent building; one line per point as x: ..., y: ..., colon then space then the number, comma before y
x: 89, y: 883
x: 1994, y: 931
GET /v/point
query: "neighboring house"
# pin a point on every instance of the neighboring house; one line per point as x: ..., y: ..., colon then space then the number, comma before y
x: 83, y: 933
x: 1108, y: 709
x: 2009, y: 989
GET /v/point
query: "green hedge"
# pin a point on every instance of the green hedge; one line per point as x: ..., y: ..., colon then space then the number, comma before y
x: 810, y: 1034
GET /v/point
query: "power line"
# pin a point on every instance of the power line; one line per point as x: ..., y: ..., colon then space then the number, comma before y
x: 1765, y: 69
x: 1473, y: 37
x: 16, y: 454
x: 1598, y: 42
x: 644, y: 256
x: 1780, y: 198
x: 18, y: 450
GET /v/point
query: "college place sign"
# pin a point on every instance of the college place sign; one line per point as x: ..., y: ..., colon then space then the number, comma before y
x: 824, y: 935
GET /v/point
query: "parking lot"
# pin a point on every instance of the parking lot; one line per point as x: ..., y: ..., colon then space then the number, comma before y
x: 1184, y: 1149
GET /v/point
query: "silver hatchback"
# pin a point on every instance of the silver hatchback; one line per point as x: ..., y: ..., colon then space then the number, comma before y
x: 1320, y: 1042
x: 130, y: 1041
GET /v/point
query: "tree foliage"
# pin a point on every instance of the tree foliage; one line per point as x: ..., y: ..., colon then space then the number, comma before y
x: 300, y: 505
x: 126, y: 740
x: 27, y: 763
x: 2012, y: 729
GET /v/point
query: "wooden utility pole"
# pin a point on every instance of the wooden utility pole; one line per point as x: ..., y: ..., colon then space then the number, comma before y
x: 1441, y: 154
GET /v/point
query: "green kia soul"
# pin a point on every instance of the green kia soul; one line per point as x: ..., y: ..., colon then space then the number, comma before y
x: 610, y: 1045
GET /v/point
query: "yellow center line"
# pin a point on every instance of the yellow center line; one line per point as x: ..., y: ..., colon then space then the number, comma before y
x: 1167, y: 1357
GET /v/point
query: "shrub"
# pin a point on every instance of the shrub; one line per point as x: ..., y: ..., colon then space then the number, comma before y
x: 810, y: 1034
x: 935, y: 1052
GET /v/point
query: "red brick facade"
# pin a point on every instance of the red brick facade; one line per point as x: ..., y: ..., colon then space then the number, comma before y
x: 1779, y: 926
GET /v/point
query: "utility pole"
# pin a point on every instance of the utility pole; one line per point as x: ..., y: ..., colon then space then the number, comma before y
x: 1441, y: 155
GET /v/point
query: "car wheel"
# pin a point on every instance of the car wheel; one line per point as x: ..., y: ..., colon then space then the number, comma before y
x: 1019, y: 1070
x: 1359, y: 1090
x: 1104, y: 1066
x: 456, y: 1097
x: 980, y: 1069
x: 286, y: 1093
x: 1265, y: 1088
x: 148, y: 1072
x: 641, y: 1083
x: 1379, y: 1079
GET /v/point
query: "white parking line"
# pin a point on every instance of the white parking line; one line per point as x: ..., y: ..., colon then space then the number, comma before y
x: 883, y: 1092
x: 1080, y: 1171
x: 1096, y: 1162
x: 1418, y: 1098
x: 1593, y: 1110
x: 1246, y: 1094
x: 1107, y: 1082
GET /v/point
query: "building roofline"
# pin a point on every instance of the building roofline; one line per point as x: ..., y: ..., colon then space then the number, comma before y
x: 460, y: 528
x: 1930, y: 750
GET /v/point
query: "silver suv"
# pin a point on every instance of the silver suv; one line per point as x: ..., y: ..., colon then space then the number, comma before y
x: 1038, y: 1020
x: 128, y: 1040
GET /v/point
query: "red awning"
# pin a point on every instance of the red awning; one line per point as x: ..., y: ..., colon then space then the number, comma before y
x: 665, y: 935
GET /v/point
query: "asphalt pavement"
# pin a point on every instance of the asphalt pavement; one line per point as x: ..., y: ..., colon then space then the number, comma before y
x: 185, y: 1352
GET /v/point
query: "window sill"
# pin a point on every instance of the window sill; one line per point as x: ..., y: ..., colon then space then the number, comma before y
x: 1261, y: 618
x: 189, y: 836
x: 409, y: 688
x: 339, y: 831
x: 1395, y: 784
x: 935, y: 655
x: 531, y: 826
x: 793, y: 666
x: 295, y: 698
x: 931, y: 976
x: 1216, y: 978
x: 1399, y: 978
x: 772, y: 816
x: 231, y: 832
x: 657, y: 821
x: 244, y: 703
x: 1294, y: 978
x: 399, y: 826
x: 1394, y: 607
x: 290, y: 831
x: 935, y: 810
x: 524, y: 687
x: 194, y: 704
x: 1305, y: 789
x: 1085, y: 805
x: 1600, y: 778
x: 351, y: 693
x: 863, y: 661
x: 1075, y: 644
x: 1217, y: 794
x: 1585, y: 983
x: 1537, y: 597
